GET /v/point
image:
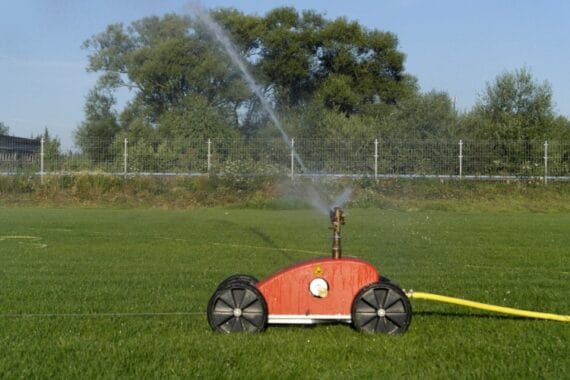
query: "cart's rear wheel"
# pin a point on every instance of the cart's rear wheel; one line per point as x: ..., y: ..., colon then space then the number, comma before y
x: 237, y: 307
x: 239, y: 278
x: 381, y: 308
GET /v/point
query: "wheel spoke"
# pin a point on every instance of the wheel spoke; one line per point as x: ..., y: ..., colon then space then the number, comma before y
x: 363, y: 319
x: 234, y: 325
x: 254, y: 308
x: 391, y: 299
x: 227, y: 298
x: 380, y: 294
x: 371, y: 299
x: 219, y: 319
x: 379, y: 325
x: 386, y: 326
x: 237, y: 295
x: 222, y: 307
x: 254, y: 319
x: 242, y: 324
x: 397, y: 306
x: 365, y: 306
x: 399, y: 319
x: 227, y: 325
x: 249, y: 299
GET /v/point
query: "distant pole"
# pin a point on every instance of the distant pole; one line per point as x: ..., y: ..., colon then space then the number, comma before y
x: 292, y: 158
x: 376, y: 159
x: 209, y: 156
x: 125, y: 157
x: 42, y: 142
x: 545, y: 162
x: 460, y: 158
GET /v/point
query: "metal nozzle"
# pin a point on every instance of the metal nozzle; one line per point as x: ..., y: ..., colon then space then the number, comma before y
x: 337, y: 219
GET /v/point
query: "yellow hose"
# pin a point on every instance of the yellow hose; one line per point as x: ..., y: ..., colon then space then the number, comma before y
x: 483, y: 306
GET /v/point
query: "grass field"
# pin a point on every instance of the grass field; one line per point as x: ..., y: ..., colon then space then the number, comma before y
x: 99, y: 293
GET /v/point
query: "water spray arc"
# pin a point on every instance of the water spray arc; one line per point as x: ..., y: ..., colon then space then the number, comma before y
x: 204, y: 18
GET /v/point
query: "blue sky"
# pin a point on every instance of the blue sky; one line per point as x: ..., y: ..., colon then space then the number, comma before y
x: 456, y: 46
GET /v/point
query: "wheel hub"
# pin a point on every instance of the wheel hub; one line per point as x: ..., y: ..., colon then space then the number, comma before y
x: 381, y: 312
x: 237, y: 312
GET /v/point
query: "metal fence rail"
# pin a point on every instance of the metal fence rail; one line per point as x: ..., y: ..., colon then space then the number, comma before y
x: 321, y: 157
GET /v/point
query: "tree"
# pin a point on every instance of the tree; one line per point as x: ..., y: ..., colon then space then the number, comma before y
x: 302, y: 54
x: 171, y: 62
x: 95, y: 135
x: 163, y: 60
x: 562, y: 128
x: 194, y: 118
x: 515, y: 106
x: 4, y: 129
x: 424, y: 116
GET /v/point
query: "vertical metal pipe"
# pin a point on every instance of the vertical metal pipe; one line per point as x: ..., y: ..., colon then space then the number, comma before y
x: 209, y: 156
x: 292, y: 158
x: 460, y: 158
x: 376, y: 159
x: 125, y: 157
x: 545, y: 162
x: 42, y: 142
x: 337, y: 219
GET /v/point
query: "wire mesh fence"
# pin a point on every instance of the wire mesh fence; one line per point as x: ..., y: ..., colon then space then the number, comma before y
x: 374, y: 158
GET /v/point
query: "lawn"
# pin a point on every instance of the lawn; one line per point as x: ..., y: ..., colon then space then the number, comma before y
x: 102, y: 292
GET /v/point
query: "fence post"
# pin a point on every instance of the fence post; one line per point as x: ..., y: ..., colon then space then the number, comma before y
x: 292, y: 158
x: 376, y: 159
x: 42, y: 142
x: 209, y: 156
x: 545, y: 162
x: 125, y: 157
x: 460, y: 158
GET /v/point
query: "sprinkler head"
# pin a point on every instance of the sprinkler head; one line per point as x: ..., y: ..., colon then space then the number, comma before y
x: 337, y: 217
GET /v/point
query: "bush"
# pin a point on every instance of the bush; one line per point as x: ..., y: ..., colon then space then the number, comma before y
x: 248, y: 174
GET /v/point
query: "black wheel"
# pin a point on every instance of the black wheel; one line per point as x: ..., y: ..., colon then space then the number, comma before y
x: 386, y: 279
x: 245, y: 278
x: 237, y: 307
x: 381, y: 308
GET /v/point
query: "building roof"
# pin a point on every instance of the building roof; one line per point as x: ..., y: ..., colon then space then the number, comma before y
x: 19, y: 144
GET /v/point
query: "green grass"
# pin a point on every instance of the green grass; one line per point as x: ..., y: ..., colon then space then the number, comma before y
x: 93, y: 261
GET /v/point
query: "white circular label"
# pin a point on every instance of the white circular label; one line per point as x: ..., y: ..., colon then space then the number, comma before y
x: 319, y: 287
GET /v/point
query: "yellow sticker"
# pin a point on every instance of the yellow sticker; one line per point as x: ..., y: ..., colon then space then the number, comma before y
x: 318, y: 271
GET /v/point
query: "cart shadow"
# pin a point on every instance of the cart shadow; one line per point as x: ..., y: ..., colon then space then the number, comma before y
x: 263, y: 236
x: 270, y: 242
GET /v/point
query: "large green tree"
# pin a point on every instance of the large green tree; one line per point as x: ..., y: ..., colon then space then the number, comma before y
x: 175, y: 69
x: 302, y: 54
x: 163, y: 60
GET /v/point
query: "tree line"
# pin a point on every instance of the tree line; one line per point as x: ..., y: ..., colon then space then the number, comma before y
x: 326, y: 78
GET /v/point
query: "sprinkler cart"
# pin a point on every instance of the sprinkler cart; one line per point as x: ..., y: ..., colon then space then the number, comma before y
x: 333, y: 289
x: 336, y: 289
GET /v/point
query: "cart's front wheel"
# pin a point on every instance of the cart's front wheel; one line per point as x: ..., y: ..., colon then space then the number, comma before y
x: 237, y: 307
x: 381, y: 308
